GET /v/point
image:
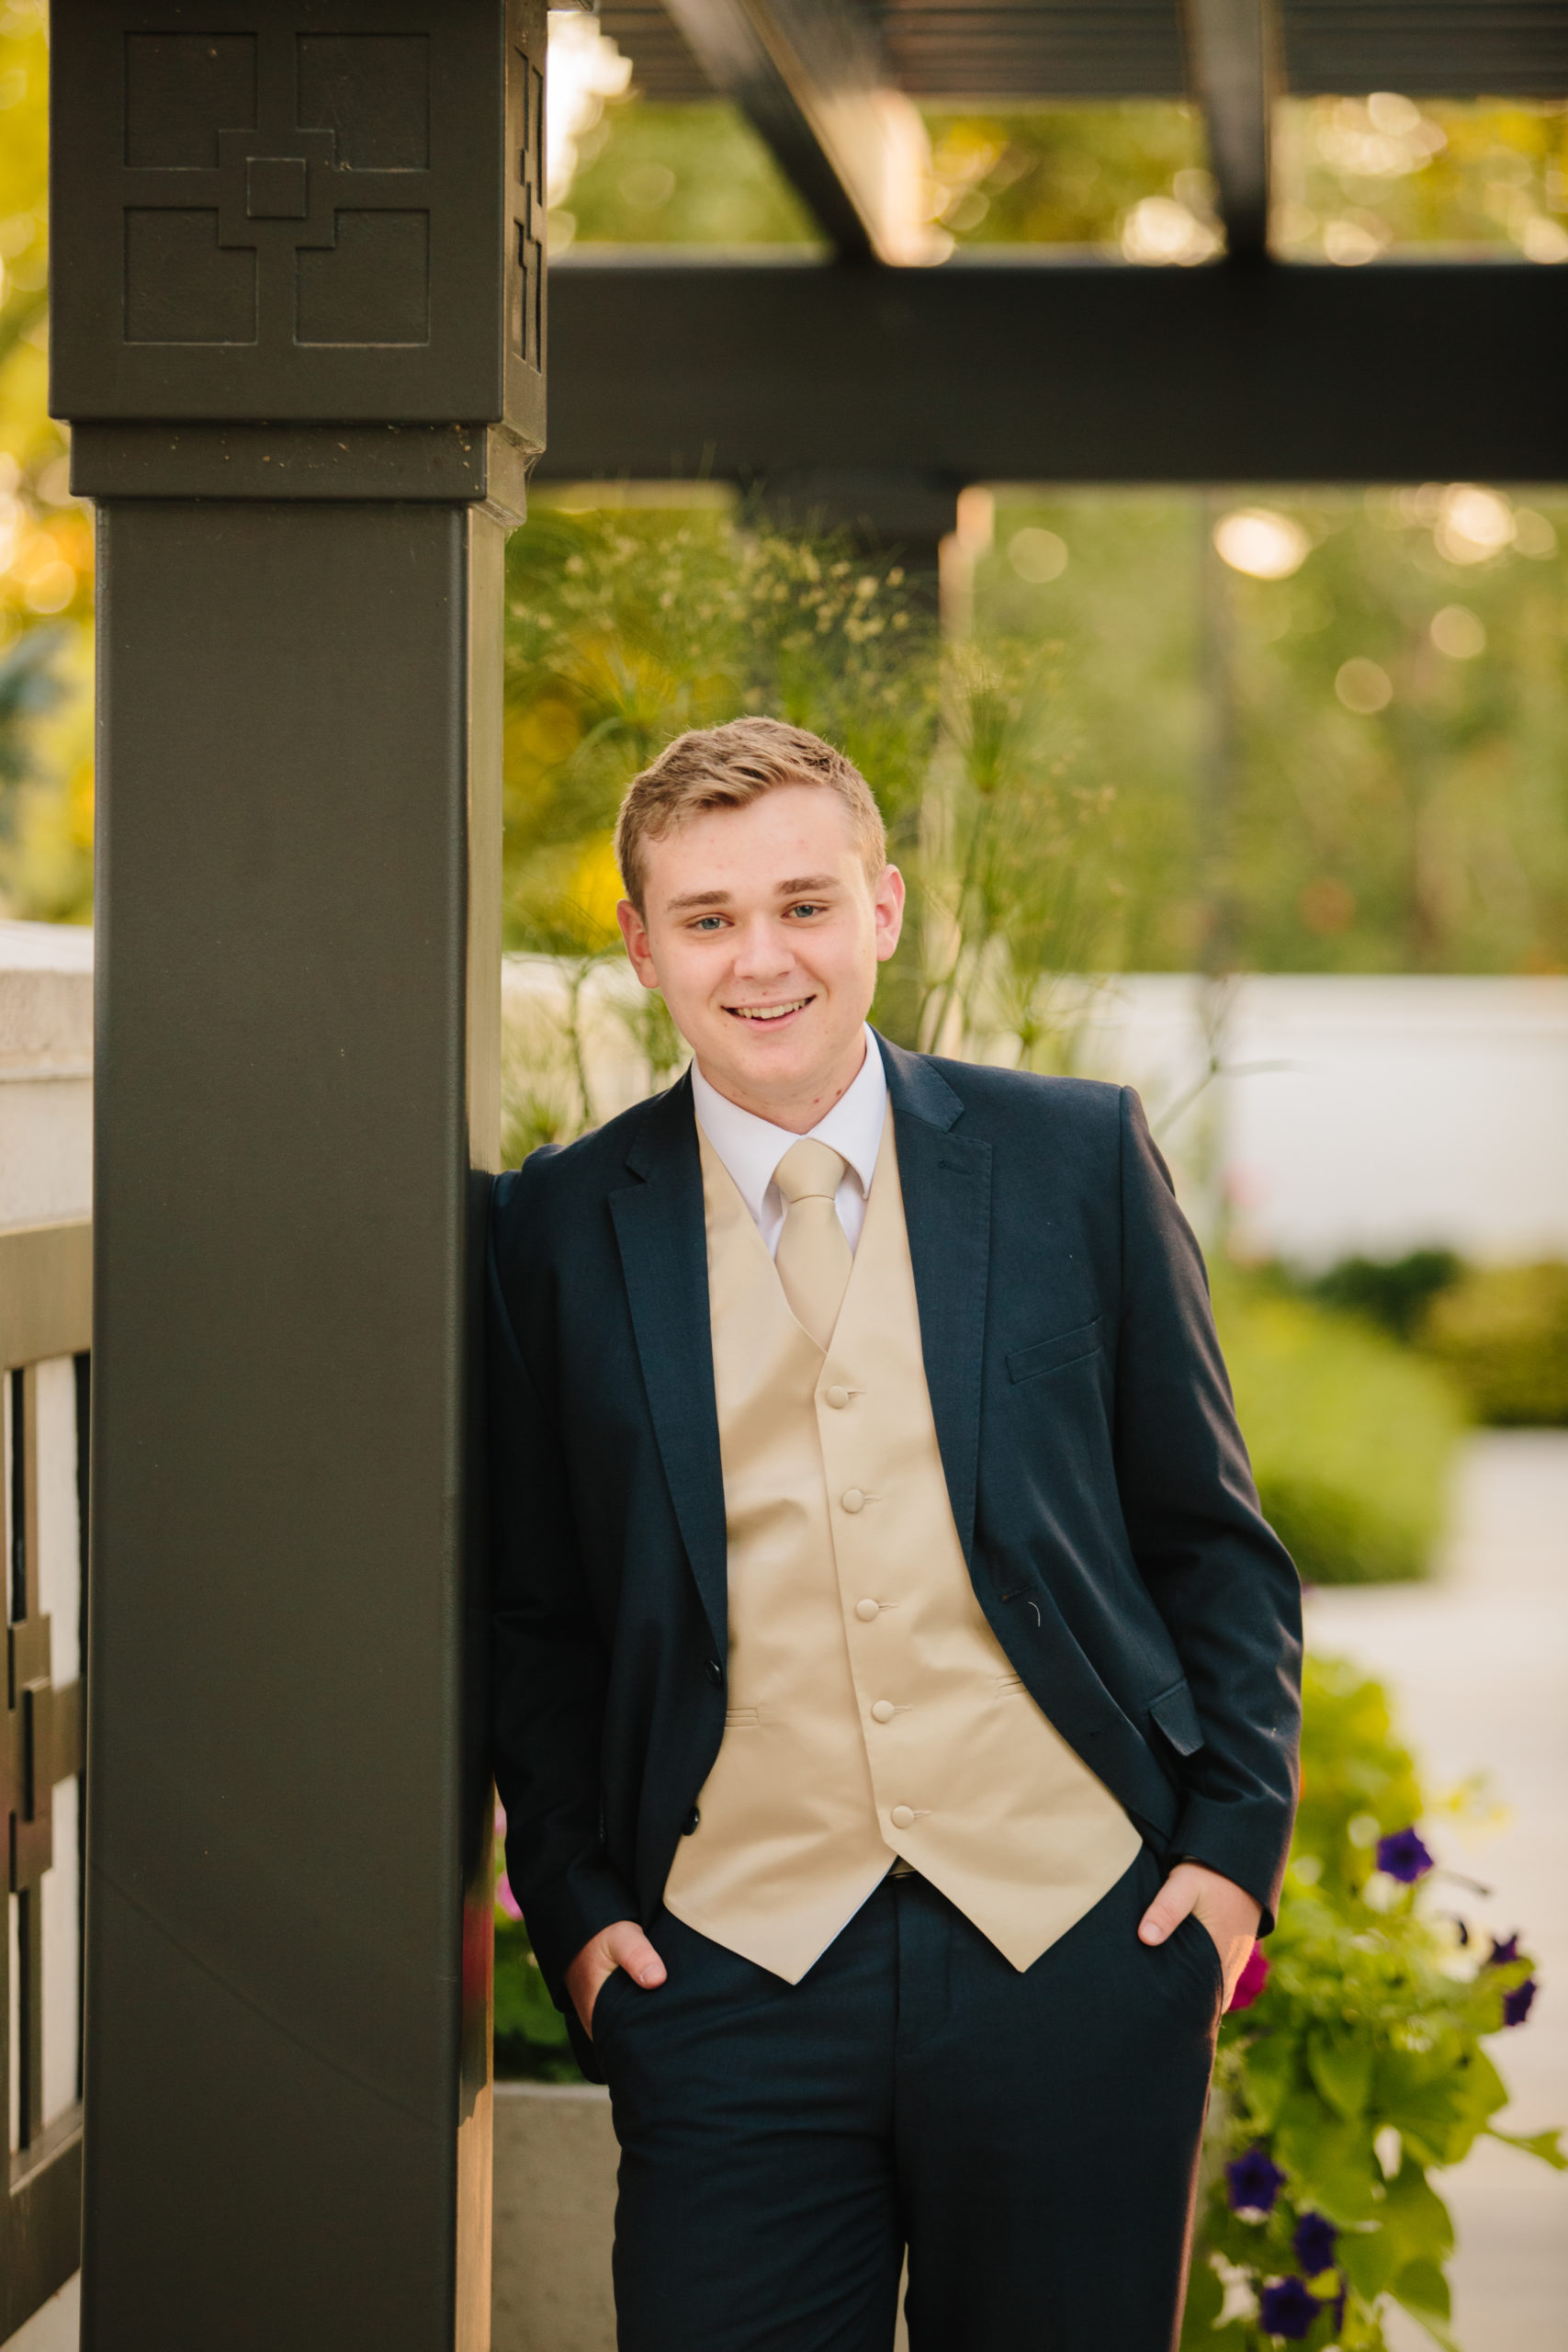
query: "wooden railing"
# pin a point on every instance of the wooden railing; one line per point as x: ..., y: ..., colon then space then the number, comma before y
x: 46, y: 1298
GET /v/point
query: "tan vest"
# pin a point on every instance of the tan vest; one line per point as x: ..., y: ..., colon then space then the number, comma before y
x: 872, y: 1711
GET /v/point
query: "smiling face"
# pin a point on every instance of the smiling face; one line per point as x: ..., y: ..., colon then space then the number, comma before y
x: 763, y: 930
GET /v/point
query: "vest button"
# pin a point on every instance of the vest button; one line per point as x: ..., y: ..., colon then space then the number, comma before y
x: 884, y: 1713
x: 714, y: 1672
x: 852, y: 1499
x: 866, y: 1610
x: 689, y: 1826
x: 902, y: 1816
x: 837, y: 1398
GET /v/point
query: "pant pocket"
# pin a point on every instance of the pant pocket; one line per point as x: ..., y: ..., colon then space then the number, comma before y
x: 1206, y: 1955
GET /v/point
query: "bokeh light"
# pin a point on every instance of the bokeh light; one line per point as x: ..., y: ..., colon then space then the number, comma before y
x: 1458, y: 632
x: 1363, y: 687
x: 1037, y: 556
x: 1256, y: 540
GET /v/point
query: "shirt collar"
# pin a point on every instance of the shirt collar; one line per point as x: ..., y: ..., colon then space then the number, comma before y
x: 752, y: 1147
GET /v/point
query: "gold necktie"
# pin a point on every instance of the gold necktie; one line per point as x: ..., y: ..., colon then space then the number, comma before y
x: 814, y: 1255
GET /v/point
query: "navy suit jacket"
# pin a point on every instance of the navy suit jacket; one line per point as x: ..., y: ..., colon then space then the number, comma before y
x: 1098, y: 1482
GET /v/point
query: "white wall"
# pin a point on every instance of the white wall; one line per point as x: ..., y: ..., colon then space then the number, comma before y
x: 46, y: 1072
x: 1358, y: 1114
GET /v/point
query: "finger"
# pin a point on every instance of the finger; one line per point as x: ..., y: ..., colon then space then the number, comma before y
x: 630, y: 1948
x: 1164, y: 1915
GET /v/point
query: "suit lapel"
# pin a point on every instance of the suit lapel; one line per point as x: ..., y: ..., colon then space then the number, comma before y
x: 946, y: 1183
x: 663, y: 1245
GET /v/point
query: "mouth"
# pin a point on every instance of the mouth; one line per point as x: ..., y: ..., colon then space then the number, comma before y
x: 767, y: 1016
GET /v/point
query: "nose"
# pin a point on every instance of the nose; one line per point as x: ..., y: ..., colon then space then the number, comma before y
x: 760, y: 954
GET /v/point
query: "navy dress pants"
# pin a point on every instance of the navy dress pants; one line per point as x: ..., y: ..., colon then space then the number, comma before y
x: 1031, y: 2138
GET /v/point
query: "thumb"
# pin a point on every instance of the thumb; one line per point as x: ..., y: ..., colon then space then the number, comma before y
x: 630, y: 1948
x: 1167, y: 1910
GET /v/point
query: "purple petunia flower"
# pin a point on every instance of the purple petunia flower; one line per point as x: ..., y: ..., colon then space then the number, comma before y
x: 1287, y: 2309
x: 1314, y: 2244
x: 1516, y: 2003
x: 1403, y: 1856
x: 1255, y: 2181
x: 1501, y: 1954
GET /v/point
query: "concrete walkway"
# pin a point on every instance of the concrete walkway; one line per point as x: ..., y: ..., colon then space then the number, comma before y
x: 1477, y: 1661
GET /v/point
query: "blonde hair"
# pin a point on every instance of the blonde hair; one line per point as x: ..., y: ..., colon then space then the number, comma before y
x: 729, y: 767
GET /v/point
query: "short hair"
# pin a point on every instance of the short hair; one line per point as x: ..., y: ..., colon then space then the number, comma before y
x: 729, y: 767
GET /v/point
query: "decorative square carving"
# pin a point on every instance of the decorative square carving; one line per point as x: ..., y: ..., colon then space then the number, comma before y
x: 277, y: 188
x: 372, y: 91
x: 182, y: 285
x: 373, y: 284
x: 309, y: 209
x: 180, y: 87
x: 525, y: 156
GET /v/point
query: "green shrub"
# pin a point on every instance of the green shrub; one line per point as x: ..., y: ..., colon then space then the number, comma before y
x: 1392, y: 1292
x: 1355, y: 2067
x: 1502, y: 1331
x: 1351, y: 1435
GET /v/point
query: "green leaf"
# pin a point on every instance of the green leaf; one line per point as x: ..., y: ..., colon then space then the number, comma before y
x: 1269, y: 2070
x: 1330, y: 2159
x: 1416, y: 2220
x: 1427, y: 2094
x: 1368, y: 2259
x: 1547, y: 2145
x: 1423, y: 2291
x: 1482, y: 2089
x: 1342, y: 2071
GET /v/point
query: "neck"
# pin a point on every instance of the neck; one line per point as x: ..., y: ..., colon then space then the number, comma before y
x: 805, y: 1106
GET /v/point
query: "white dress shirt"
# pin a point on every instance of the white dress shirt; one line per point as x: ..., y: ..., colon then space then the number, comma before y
x: 751, y: 1149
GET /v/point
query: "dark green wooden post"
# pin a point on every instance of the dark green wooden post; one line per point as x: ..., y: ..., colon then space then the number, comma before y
x: 298, y: 330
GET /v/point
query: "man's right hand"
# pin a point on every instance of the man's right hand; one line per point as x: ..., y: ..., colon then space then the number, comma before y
x: 620, y: 1945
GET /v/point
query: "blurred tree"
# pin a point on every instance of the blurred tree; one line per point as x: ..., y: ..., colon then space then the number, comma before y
x: 678, y: 175
x: 46, y: 781
x: 1355, y: 177
x: 1394, y: 797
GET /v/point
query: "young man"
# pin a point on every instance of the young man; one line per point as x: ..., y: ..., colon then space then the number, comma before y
x: 897, y: 1685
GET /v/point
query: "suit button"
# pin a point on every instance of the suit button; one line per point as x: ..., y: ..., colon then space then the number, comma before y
x: 883, y: 1712
x: 852, y: 1499
x: 689, y: 1824
x: 837, y: 1398
x: 867, y: 1610
x: 715, y: 1673
x: 903, y: 1817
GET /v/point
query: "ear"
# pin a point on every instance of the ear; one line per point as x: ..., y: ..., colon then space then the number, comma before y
x: 634, y: 931
x: 887, y: 907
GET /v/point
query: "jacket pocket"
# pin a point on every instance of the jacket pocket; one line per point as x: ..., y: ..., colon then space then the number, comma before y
x: 1178, y: 1717
x: 1051, y: 1355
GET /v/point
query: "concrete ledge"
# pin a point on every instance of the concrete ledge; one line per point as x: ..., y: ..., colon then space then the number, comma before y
x: 555, y: 2219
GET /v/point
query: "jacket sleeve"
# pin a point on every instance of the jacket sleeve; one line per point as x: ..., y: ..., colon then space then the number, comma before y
x: 1219, y: 1576
x: 548, y: 1660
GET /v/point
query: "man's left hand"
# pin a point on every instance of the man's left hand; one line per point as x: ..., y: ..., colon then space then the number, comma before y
x: 1226, y: 1912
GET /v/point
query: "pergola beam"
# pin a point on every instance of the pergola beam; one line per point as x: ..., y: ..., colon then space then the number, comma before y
x: 808, y: 77
x: 1048, y: 373
x: 1232, y: 48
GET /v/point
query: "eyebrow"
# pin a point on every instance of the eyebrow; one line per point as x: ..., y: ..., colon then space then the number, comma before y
x: 795, y: 888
